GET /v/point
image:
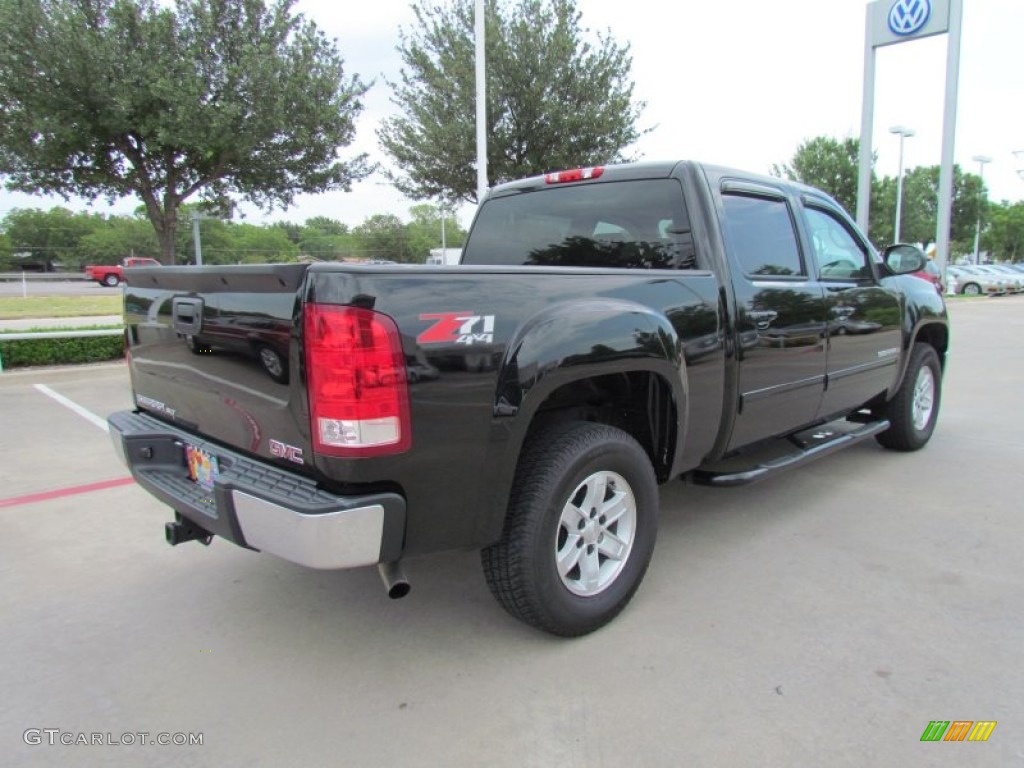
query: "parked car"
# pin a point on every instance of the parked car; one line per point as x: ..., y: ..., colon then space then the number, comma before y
x: 929, y: 272
x: 972, y: 282
x: 1015, y: 279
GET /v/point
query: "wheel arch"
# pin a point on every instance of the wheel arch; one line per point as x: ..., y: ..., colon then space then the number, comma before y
x: 617, y: 363
x: 937, y: 336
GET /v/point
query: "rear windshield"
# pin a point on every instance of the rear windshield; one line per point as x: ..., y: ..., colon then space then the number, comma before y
x: 622, y: 224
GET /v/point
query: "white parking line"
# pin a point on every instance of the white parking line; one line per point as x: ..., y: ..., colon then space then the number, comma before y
x: 84, y: 413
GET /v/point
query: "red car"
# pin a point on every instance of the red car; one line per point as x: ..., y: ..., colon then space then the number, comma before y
x: 929, y: 271
x: 932, y: 274
x: 111, y: 274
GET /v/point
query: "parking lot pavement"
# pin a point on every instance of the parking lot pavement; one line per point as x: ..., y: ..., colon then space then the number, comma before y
x: 821, y: 618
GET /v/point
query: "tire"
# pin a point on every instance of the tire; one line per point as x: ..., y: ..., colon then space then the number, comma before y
x: 111, y: 281
x: 560, y: 473
x: 272, y: 363
x: 197, y: 347
x: 971, y: 289
x: 914, y: 408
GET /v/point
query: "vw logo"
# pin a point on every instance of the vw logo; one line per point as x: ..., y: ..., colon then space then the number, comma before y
x: 908, y: 16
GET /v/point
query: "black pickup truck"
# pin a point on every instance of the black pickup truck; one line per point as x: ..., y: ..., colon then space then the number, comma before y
x: 608, y: 329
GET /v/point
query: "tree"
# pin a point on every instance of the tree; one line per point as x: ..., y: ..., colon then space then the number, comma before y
x: 424, y: 231
x: 383, y: 237
x: 327, y: 239
x: 828, y: 164
x: 920, y: 212
x: 554, y: 99
x: 5, y: 251
x: 50, y: 236
x: 251, y: 244
x: 1004, y: 237
x: 117, y: 237
x: 211, y: 97
x: 832, y: 166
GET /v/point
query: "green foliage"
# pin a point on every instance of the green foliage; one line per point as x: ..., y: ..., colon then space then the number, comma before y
x: 253, y: 245
x: 52, y: 235
x: 832, y: 166
x: 327, y: 239
x: 423, y: 233
x: 828, y: 164
x: 921, y: 205
x: 114, y: 239
x: 80, y: 239
x: 132, y: 97
x: 557, y: 97
x: 384, y: 237
x: 1004, y: 237
x: 88, y: 349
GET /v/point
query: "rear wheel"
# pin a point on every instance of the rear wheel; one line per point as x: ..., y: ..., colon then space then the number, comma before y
x: 914, y: 408
x: 111, y: 280
x: 580, y: 530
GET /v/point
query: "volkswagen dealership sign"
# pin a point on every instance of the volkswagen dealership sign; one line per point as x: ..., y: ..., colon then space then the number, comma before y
x: 896, y: 21
x: 906, y: 17
x: 900, y: 21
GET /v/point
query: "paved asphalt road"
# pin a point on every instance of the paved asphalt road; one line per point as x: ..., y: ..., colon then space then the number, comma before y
x: 35, y: 286
x: 818, y: 619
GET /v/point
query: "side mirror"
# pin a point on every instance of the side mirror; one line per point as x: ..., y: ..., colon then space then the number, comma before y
x: 902, y: 259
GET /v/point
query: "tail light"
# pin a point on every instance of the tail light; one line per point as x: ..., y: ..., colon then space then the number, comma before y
x: 355, y: 373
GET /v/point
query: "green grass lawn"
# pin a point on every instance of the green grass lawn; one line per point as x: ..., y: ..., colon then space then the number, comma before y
x: 17, y: 308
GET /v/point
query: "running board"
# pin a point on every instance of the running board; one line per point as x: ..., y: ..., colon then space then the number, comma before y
x: 784, y: 453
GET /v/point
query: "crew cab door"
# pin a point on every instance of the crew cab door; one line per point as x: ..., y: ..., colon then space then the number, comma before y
x: 864, y: 318
x: 781, y: 313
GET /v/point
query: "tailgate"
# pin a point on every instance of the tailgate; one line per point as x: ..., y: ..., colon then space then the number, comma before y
x: 215, y: 350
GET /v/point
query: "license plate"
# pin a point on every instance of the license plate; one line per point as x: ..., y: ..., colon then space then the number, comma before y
x: 202, y: 467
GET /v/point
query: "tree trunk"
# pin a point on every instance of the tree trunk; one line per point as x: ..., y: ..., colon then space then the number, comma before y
x: 165, y: 223
x: 167, y: 235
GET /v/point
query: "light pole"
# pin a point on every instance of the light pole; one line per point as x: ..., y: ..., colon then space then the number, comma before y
x: 903, y: 133
x: 980, y: 160
x: 444, y: 245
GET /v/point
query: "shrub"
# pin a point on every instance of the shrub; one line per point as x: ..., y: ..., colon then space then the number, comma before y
x: 83, y: 349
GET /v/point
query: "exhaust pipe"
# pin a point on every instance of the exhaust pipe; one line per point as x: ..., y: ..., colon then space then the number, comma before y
x: 183, y: 529
x: 394, y: 579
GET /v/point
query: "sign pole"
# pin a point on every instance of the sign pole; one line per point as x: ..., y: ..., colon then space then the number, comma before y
x: 945, y: 222
x: 890, y: 22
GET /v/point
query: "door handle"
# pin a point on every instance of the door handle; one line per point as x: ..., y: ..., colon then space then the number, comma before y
x: 187, y: 315
x: 762, y: 317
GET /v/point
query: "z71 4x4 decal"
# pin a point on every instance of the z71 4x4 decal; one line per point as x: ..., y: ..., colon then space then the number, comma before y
x: 458, y: 328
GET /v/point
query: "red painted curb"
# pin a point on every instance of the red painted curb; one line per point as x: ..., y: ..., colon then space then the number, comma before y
x: 48, y: 495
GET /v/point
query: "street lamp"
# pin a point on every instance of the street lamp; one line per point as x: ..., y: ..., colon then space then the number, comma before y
x: 980, y: 160
x: 903, y: 133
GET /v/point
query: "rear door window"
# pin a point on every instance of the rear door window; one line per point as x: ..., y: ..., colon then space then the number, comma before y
x: 761, y: 236
x: 620, y: 225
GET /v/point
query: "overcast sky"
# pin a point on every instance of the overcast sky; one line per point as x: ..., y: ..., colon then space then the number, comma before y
x: 739, y: 83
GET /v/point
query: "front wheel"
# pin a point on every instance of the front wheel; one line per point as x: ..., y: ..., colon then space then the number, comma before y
x: 971, y: 289
x: 272, y: 363
x: 914, y: 408
x: 580, y: 529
